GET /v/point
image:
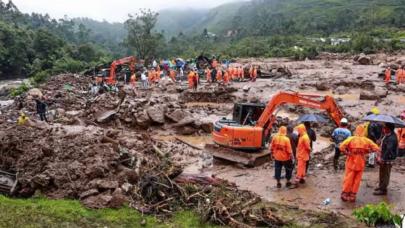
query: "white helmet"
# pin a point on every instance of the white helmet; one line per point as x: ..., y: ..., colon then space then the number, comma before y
x: 344, y: 121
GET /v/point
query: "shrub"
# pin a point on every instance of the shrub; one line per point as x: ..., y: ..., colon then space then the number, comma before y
x: 379, y: 214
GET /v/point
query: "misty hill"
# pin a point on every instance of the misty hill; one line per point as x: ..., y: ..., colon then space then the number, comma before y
x: 282, y: 17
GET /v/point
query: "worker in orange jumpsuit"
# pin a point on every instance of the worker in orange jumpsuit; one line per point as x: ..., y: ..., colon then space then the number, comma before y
x: 387, y: 78
x: 400, y: 75
x: 208, y: 74
x: 241, y: 74
x: 190, y: 79
x: 251, y: 72
x: 133, y: 80
x: 172, y: 75
x: 219, y: 74
x: 303, y: 151
x: 226, y: 78
x: 281, y: 151
x: 151, y: 76
x: 401, y: 138
x: 157, y: 75
x: 195, y: 80
x: 355, y: 148
x: 254, y: 74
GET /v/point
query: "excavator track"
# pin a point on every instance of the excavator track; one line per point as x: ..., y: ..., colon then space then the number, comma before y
x: 248, y: 159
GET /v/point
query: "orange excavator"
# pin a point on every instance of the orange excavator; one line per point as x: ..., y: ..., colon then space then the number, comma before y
x: 243, y: 139
x: 130, y: 61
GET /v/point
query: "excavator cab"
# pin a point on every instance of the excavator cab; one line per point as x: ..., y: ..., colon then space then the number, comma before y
x: 247, y: 113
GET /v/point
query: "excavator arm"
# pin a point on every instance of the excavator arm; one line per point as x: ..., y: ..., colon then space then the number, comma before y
x: 326, y: 103
x: 130, y: 61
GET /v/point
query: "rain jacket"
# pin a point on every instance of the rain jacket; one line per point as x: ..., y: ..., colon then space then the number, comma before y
x: 356, y: 147
x: 389, y: 147
x: 280, y: 146
x: 304, y: 143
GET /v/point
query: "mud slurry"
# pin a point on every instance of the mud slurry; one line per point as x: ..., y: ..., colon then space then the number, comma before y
x: 137, y: 155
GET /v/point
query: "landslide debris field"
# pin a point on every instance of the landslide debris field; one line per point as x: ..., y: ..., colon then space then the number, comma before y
x: 145, y: 148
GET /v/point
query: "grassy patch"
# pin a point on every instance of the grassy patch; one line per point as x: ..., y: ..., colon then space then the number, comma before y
x: 40, y: 212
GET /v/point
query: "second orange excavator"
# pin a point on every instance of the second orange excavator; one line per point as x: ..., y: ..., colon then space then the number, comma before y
x: 243, y: 139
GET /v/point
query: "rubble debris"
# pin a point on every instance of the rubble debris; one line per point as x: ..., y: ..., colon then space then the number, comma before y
x: 363, y: 59
x: 322, y: 86
x: 375, y: 95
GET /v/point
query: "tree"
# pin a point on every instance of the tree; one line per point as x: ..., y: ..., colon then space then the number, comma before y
x: 141, y: 37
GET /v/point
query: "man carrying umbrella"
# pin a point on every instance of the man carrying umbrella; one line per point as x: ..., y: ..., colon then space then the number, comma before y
x: 388, y: 154
x: 389, y: 148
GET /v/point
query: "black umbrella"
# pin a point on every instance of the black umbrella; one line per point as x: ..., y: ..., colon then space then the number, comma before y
x: 311, y: 118
x: 385, y: 119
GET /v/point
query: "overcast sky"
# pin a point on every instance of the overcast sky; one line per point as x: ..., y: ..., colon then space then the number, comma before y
x: 111, y: 10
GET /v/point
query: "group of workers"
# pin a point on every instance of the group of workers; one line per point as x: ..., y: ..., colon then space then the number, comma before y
x: 289, y: 149
x: 217, y: 74
x: 399, y: 74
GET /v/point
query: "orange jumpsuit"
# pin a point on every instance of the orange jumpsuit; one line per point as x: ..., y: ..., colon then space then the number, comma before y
x: 219, y: 75
x: 280, y: 146
x: 251, y: 72
x: 226, y: 78
x: 387, y: 78
x: 240, y: 73
x: 355, y: 148
x: 172, y: 75
x: 254, y: 74
x: 151, y: 76
x: 208, y: 74
x: 133, y: 80
x: 400, y: 76
x: 190, y: 79
x: 401, y: 138
x: 157, y: 75
x: 303, y: 151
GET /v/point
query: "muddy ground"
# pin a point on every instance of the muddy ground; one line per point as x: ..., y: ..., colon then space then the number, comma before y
x: 154, y: 135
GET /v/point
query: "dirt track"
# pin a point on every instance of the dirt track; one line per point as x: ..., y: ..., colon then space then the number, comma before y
x: 167, y: 115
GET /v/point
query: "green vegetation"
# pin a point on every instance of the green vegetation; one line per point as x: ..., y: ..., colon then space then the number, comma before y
x: 379, y: 214
x: 41, y: 212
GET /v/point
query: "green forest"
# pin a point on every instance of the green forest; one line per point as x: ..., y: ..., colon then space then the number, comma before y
x: 35, y: 45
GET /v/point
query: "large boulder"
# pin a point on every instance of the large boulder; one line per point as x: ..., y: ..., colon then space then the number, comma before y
x: 177, y: 115
x: 142, y: 120
x: 322, y: 86
x: 363, y: 59
x: 157, y: 114
x: 35, y: 92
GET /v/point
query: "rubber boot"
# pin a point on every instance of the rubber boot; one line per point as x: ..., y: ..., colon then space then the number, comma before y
x: 344, y: 196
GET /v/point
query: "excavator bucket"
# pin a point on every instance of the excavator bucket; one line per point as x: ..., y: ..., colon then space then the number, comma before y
x: 248, y: 159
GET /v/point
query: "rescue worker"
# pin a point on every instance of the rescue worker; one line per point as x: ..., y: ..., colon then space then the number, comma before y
x: 151, y: 76
x: 389, y: 148
x: 401, y: 75
x: 190, y: 78
x: 387, y: 78
x: 339, y: 135
x: 208, y: 74
x: 172, y: 75
x: 401, y: 138
x: 254, y: 74
x: 241, y: 74
x: 195, y: 80
x: 303, y: 151
x: 214, y: 75
x: 219, y: 75
x: 133, y: 80
x: 157, y: 75
x: 281, y: 151
x: 355, y: 148
x: 251, y: 72
x: 226, y: 78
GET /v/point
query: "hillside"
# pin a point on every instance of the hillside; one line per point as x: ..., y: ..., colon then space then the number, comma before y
x: 285, y: 17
